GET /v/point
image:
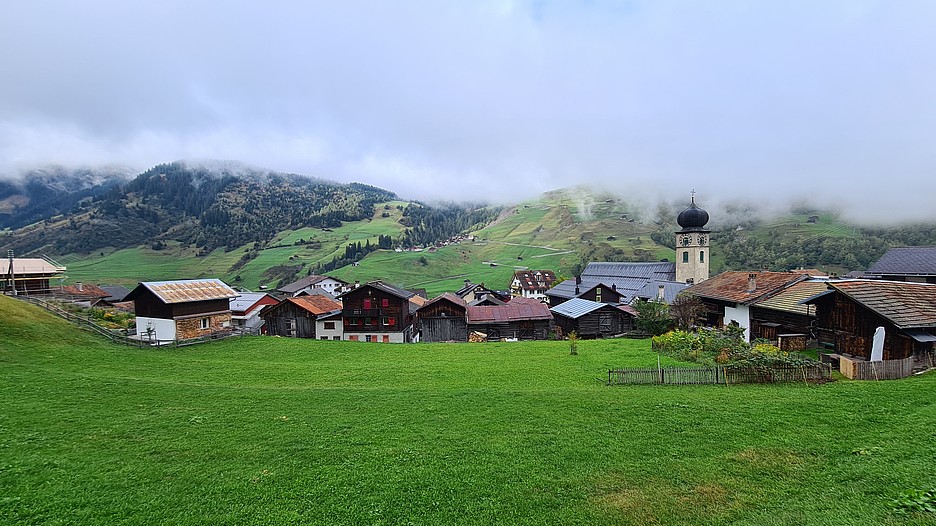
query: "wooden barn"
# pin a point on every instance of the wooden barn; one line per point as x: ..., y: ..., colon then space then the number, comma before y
x: 784, y: 315
x: 443, y: 319
x: 590, y: 319
x: 521, y: 318
x: 849, y: 312
x: 378, y: 312
x: 296, y: 317
x: 176, y: 310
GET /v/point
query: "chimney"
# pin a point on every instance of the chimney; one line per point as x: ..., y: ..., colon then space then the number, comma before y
x: 660, y: 292
x: 577, y: 291
x: 614, y: 287
x: 79, y: 286
x: 751, y: 282
x: 578, y: 280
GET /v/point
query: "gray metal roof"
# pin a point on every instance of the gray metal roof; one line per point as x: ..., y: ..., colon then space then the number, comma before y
x: 576, y: 307
x: 906, y: 261
x: 603, y: 271
x: 246, y: 300
x: 651, y: 290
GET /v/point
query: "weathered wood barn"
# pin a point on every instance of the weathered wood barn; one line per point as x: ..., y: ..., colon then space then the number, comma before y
x: 378, y: 312
x: 849, y: 312
x: 590, y: 319
x: 521, y: 318
x: 443, y: 319
x: 175, y: 310
x: 783, y: 314
x: 296, y: 317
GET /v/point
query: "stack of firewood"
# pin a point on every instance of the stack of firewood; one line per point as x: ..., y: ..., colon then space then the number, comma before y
x: 477, y: 337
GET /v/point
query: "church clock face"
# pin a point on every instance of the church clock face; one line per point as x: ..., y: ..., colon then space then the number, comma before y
x: 701, y: 239
x: 686, y: 241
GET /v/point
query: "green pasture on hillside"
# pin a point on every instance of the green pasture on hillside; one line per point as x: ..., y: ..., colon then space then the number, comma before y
x: 278, y: 431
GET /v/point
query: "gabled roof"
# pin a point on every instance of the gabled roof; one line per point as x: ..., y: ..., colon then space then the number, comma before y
x: 789, y: 300
x: 116, y: 293
x: 566, y: 289
x: 185, y: 290
x: 86, y: 291
x: 415, y: 302
x: 381, y: 286
x: 446, y: 296
x: 247, y: 300
x: 914, y: 261
x: 305, y: 282
x: 317, y: 291
x: 519, y: 309
x: 906, y: 305
x: 651, y: 290
x: 316, y: 304
x: 609, y: 272
x: 734, y: 286
x: 30, y: 267
x: 577, y: 307
x: 534, y: 280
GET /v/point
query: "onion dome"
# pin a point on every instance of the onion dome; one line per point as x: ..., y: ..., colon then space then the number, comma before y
x: 692, y: 218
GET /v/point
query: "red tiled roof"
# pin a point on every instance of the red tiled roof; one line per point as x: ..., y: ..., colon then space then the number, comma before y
x: 316, y: 304
x: 517, y: 309
x: 905, y: 304
x: 86, y: 291
x: 734, y: 286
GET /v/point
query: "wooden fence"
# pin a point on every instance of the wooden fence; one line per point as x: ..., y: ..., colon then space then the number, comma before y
x: 722, y: 375
x: 883, y: 370
x: 118, y: 336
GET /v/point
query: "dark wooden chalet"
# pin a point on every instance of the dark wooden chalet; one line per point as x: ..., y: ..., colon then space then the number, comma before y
x: 521, y: 318
x: 175, y: 310
x: 849, y: 312
x: 590, y: 319
x: 443, y: 319
x: 296, y: 317
x: 378, y: 312
x: 598, y: 292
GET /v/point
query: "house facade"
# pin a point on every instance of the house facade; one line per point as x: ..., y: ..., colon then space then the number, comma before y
x: 443, y: 319
x: 521, y: 319
x: 177, y: 310
x: 378, y: 312
x: 332, y: 286
x: 246, y: 309
x: 532, y: 284
x: 298, y: 317
x: 589, y: 319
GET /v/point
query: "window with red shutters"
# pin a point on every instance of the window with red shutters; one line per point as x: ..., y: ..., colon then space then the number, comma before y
x: 367, y: 303
x: 385, y: 302
x: 392, y: 322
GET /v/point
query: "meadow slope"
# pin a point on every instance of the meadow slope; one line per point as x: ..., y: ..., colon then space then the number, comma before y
x: 274, y: 431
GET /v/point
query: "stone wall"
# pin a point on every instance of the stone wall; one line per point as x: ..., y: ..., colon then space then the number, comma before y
x: 191, y: 327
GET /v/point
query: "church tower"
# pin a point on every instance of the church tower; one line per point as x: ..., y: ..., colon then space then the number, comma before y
x: 692, y: 245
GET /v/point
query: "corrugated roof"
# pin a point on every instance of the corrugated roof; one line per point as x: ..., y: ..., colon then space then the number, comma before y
x: 906, y: 261
x: 906, y: 305
x: 602, y: 271
x: 576, y: 307
x: 186, y: 290
x: 734, y: 286
x: 29, y: 266
x: 246, y: 300
x: 789, y: 300
x: 651, y: 290
x: 518, y: 309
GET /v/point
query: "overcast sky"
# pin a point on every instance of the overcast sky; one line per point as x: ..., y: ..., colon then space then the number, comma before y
x: 831, y: 100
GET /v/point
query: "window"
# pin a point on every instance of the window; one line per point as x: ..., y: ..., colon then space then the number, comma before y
x: 323, y: 337
x: 685, y: 257
x: 205, y: 323
x: 353, y: 337
x: 336, y: 337
x: 384, y: 321
x: 386, y: 338
x: 367, y: 303
x: 367, y: 321
x: 598, y: 295
x: 368, y: 338
x: 702, y: 257
x: 392, y: 322
x: 385, y: 302
x: 329, y: 325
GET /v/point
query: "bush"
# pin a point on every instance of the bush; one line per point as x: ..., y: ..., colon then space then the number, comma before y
x: 723, y: 346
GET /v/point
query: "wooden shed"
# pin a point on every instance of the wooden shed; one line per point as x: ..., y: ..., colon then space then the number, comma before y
x: 296, y: 317
x: 443, y: 319
x: 590, y: 319
x: 521, y: 318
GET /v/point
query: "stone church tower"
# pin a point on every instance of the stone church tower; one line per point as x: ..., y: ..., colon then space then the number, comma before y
x: 692, y: 245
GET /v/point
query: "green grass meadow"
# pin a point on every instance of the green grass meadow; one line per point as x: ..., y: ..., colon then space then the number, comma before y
x: 278, y: 431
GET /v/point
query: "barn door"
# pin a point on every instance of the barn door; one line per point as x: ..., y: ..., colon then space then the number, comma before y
x: 605, y: 323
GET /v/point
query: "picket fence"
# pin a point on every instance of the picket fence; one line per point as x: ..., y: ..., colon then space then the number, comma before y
x: 719, y: 375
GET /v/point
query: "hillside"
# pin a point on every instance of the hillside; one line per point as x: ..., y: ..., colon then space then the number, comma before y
x: 266, y: 430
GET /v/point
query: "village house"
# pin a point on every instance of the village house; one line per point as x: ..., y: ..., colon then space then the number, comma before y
x: 300, y: 317
x: 27, y: 276
x: 913, y: 264
x: 176, y: 310
x: 443, y: 319
x: 87, y: 294
x: 728, y: 297
x: 850, y: 311
x: 521, y: 319
x: 596, y: 291
x: 590, y: 319
x: 330, y: 285
x: 473, y: 292
x: 532, y: 284
x: 378, y: 312
x: 784, y: 319
x: 246, y: 309
x: 116, y: 294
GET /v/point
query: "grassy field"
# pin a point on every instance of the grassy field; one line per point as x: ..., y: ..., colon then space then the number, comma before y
x: 274, y: 431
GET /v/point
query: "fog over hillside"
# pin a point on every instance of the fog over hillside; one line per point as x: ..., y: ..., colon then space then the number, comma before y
x: 769, y: 102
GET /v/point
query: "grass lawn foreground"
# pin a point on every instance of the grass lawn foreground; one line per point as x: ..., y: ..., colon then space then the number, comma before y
x: 278, y: 431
